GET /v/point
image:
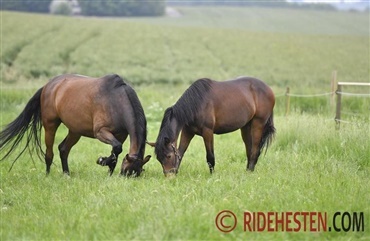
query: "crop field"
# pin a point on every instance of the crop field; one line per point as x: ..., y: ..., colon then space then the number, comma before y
x: 310, y: 166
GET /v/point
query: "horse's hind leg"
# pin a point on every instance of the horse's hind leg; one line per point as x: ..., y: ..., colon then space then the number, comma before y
x: 247, y: 139
x: 65, y: 147
x: 50, y: 130
x: 107, y: 137
x: 252, y: 135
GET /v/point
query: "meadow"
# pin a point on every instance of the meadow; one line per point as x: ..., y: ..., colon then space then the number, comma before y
x: 310, y: 166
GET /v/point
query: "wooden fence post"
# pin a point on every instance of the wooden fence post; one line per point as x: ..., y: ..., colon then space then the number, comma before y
x: 287, y: 101
x: 339, y: 103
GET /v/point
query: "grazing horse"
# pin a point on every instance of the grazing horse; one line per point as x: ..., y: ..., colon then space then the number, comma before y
x: 209, y: 107
x: 105, y: 108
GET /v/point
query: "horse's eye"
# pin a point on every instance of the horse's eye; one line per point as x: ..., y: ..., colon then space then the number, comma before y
x: 168, y: 156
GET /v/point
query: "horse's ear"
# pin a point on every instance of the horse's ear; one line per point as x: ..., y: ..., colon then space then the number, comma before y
x: 146, y: 159
x: 152, y: 144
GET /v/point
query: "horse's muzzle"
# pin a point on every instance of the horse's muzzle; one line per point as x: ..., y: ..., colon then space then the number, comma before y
x: 170, y: 172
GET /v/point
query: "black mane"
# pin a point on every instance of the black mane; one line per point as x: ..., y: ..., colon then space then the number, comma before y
x: 184, y: 111
x: 189, y: 104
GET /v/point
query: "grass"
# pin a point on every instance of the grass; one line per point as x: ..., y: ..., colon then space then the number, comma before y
x: 309, y: 167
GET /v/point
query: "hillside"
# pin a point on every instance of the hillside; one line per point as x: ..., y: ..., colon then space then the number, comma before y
x: 275, y: 20
x: 309, y: 167
x: 282, y: 46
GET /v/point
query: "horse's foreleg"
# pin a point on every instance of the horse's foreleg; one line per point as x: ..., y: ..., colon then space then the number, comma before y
x: 107, y: 137
x: 65, y: 147
x: 208, y: 142
x: 186, y: 137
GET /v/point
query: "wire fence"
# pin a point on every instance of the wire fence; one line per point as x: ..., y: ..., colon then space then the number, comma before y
x: 338, y: 93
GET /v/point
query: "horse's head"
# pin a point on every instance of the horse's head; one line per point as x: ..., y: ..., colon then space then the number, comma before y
x: 133, y: 166
x: 168, y: 156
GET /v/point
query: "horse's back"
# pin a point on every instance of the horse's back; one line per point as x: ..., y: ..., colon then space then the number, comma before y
x: 235, y: 102
x: 253, y: 84
x: 263, y: 96
x: 67, y: 90
x: 81, y: 101
x: 247, y: 87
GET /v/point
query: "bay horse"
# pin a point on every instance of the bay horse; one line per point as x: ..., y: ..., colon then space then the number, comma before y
x: 105, y: 108
x: 209, y: 107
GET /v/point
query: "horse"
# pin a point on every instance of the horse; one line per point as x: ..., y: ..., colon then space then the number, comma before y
x: 105, y: 108
x: 209, y: 107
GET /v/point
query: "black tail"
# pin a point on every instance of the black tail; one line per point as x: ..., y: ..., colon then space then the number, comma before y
x: 29, y: 123
x: 268, y: 133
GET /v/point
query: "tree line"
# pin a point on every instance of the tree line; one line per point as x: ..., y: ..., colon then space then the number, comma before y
x: 94, y: 8
x: 148, y: 7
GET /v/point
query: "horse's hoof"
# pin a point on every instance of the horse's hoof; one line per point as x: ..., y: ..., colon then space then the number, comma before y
x: 101, y: 161
x: 66, y: 175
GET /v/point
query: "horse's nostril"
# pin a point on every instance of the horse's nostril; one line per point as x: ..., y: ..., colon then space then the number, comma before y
x: 172, y: 172
x: 170, y: 175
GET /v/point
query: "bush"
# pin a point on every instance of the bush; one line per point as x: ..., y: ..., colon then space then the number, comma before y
x: 60, y: 8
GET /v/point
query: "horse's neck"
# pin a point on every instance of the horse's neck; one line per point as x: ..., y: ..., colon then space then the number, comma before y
x: 176, y: 127
x: 137, y: 148
x: 137, y: 136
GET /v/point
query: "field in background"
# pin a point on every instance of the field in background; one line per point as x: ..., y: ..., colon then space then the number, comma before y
x: 282, y: 55
x: 272, y: 20
x: 309, y: 167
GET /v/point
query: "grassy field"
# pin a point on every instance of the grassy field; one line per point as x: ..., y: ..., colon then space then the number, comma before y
x: 309, y: 167
x: 163, y: 52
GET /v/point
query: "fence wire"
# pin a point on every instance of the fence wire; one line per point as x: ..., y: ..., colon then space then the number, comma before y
x: 305, y: 96
x: 312, y: 95
x: 323, y: 94
x: 349, y: 122
x: 353, y: 94
x: 352, y: 113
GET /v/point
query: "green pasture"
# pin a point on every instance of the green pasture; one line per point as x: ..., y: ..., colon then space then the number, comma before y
x: 310, y: 166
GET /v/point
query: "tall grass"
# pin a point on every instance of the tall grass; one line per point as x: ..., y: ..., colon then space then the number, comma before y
x: 309, y: 167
